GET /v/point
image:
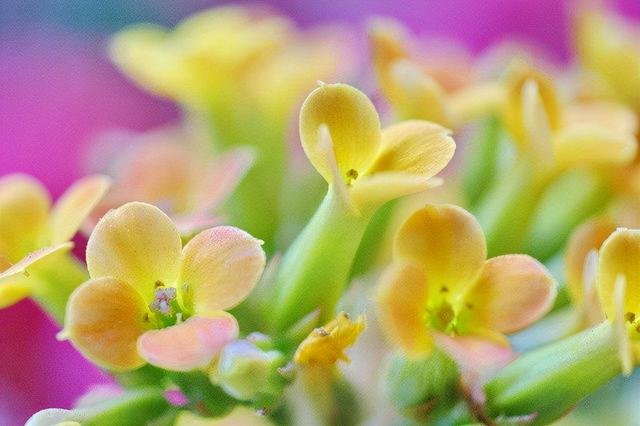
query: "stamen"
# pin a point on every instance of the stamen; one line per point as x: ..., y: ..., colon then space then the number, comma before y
x: 162, y: 300
x: 352, y: 175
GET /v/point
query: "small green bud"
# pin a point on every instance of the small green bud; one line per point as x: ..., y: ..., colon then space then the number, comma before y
x: 546, y: 383
x: 249, y: 373
x: 419, y: 387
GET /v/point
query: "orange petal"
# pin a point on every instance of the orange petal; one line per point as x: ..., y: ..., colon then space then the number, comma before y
x: 619, y: 256
x: 512, y: 292
x: 402, y: 303
x: 188, y: 345
x: 220, y: 267
x: 75, y: 205
x: 589, y: 236
x: 24, y: 210
x: 447, y: 241
x: 104, y: 319
x: 138, y: 244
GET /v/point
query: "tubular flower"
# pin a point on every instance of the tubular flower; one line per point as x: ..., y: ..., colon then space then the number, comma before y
x: 151, y: 300
x: 440, y: 281
x: 618, y: 283
x: 31, y: 229
x: 166, y: 168
x: 325, y: 346
x: 587, y: 134
x: 340, y: 133
x: 438, y: 86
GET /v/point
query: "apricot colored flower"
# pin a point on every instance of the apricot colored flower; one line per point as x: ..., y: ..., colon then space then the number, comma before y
x: 441, y: 281
x: 151, y: 300
x: 168, y: 169
x: 440, y: 85
x: 340, y: 133
x: 557, y: 136
x: 31, y: 229
x: 325, y: 345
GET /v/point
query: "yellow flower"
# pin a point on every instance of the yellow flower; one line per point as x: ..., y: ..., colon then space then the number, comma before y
x: 325, y: 345
x: 440, y: 281
x: 442, y: 89
x: 618, y: 284
x: 558, y: 137
x: 340, y: 133
x: 151, y: 300
x: 166, y: 168
x: 32, y: 230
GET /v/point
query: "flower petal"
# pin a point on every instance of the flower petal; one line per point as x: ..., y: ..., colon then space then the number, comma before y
x: 354, y: 126
x: 24, y: 209
x: 220, y: 267
x: 590, y: 144
x: 448, y: 241
x: 414, y: 147
x: 512, y: 292
x: 136, y: 243
x: 587, y: 237
x: 75, y: 205
x: 239, y: 416
x: 619, y: 255
x: 402, y: 301
x: 372, y: 191
x: 189, y: 345
x: 104, y: 319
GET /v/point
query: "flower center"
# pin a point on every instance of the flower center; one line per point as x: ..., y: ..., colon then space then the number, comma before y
x: 165, y: 308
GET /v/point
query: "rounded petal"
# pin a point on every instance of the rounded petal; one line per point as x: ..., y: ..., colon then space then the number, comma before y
x: 589, y: 236
x: 220, y: 267
x: 104, y: 319
x: 447, y: 241
x: 239, y: 416
x: 373, y: 191
x: 414, y: 147
x: 189, y: 345
x: 136, y: 243
x: 24, y: 210
x: 74, y: 206
x: 619, y: 256
x: 353, y: 124
x: 402, y: 303
x: 511, y: 292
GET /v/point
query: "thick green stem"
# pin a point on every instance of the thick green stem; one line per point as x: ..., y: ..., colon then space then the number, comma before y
x: 482, y: 162
x: 547, y: 382
x: 315, y: 269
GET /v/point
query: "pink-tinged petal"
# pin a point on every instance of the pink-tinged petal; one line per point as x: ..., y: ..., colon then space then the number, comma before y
x: 448, y: 241
x: 220, y: 179
x: 189, y: 345
x: 75, y: 205
x: 510, y: 293
x: 20, y: 270
x: 24, y: 210
x: 138, y: 244
x: 189, y: 225
x: 103, y: 321
x: 401, y: 307
x: 478, y: 359
x: 220, y: 267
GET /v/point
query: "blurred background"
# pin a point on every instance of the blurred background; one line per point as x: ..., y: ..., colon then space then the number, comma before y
x: 58, y: 90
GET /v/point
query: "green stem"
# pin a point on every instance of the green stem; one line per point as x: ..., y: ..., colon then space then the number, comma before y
x: 547, y: 382
x: 315, y: 269
x: 482, y: 162
x: 204, y: 397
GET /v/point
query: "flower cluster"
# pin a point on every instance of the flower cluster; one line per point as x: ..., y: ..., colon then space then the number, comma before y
x: 214, y: 293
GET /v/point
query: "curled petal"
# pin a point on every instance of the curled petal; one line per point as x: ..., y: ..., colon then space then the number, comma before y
x: 619, y: 256
x: 220, y: 267
x: 189, y: 345
x: 353, y: 124
x: 373, y: 191
x: 402, y: 301
x: 387, y: 39
x: 75, y: 205
x: 447, y: 241
x: 589, y: 236
x: 104, y: 319
x: 136, y: 243
x: 510, y: 293
x: 414, y: 147
x: 24, y: 209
